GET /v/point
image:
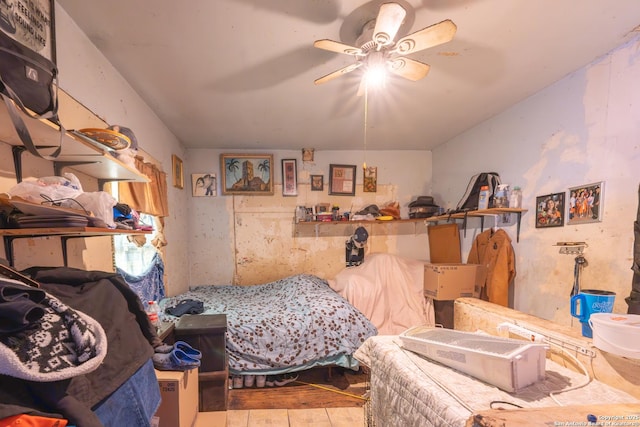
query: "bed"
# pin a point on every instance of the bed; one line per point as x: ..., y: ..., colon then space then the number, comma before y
x: 288, y: 325
x: 411, y: 390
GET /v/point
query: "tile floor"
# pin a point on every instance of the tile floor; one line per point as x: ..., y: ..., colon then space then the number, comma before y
x: 322, y: 417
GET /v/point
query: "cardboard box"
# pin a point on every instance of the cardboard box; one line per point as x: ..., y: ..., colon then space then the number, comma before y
x: 451, y: 281
x: 179, y: 394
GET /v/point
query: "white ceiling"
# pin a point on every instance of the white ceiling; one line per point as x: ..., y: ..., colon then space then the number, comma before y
x: 239, y: 73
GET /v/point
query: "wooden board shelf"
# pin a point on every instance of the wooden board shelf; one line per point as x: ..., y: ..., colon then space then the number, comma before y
x: 398, y: 226
x: 65, y: 233
x: 78, y: 152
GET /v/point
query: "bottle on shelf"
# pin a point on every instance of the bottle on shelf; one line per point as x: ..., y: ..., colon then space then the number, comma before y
x: 153, y: 311
x: 483, y: 199
x: 515, y: 198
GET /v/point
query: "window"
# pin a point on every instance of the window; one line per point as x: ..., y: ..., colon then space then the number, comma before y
x: 134, y: 253
x: 129, y: 255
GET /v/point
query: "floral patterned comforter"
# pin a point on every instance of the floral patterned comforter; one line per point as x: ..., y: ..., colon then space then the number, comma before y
x: 287, y: 325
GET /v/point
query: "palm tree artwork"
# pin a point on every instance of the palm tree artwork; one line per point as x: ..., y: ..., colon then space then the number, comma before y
x: 264, y: 167
x: 247, y: 174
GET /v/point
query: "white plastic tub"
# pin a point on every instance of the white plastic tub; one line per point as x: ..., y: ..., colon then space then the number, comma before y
x: 507, y: 363
x: 617, y: 333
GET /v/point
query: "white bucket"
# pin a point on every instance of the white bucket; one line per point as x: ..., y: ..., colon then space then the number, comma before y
x: 617, y: 333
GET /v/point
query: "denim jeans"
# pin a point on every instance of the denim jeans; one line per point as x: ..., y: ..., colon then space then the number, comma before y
x: 134, y: 402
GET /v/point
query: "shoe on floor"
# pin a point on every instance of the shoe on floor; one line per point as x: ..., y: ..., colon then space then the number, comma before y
x: 286, y: 379
x: 270, y: 381
x: 280, y: 380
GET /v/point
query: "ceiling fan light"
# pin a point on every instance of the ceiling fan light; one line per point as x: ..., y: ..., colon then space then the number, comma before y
x: 375, y: 77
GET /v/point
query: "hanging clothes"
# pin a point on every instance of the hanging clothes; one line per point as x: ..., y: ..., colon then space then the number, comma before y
x: 149, y: 286
x: 493, y: 249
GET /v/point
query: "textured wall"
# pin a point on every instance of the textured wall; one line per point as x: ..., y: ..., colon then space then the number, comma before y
x: 582, y: 129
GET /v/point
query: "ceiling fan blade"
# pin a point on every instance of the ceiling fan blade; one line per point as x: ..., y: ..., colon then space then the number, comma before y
x: 408, y: 68
x: 433, y: 35
x: 334, y: 46
x: 388, y: 23
x: 338, y: 73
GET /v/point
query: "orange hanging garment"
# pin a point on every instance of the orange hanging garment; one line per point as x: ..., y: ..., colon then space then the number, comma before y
x: 493, y: 249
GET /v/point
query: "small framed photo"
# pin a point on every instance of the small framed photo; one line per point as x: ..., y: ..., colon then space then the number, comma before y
x: 550, y: 210
x: 203, y: 184
x: 317, y: 182
x: 247, y: 174
x: 586, y: 203
x: 289, y: 177
x: 178, y: 171
x: 342, y: 180
x: 307, y: 154
x: 370, y: 181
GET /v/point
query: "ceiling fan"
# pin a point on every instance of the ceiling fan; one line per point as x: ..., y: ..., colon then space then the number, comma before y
x: 378, y: 48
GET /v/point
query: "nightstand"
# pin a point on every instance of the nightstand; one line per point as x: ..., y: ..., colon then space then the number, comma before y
x: 207, y: 333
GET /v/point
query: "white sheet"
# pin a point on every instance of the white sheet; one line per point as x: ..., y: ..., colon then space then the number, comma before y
x: 388, y: 290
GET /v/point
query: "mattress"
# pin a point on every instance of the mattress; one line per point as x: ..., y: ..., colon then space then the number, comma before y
x: 408, y: 389
x: 292, y: 324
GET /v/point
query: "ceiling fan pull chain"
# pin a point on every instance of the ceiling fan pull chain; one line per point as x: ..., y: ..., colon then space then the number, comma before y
x: 366, y: 110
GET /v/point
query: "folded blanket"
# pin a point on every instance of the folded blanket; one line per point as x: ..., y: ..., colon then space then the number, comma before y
x: 42, y: 339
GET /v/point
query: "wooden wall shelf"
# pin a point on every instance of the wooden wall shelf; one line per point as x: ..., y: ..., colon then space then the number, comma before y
x: 400, y: 226
x: 78, y: 152
x: 65, y: 233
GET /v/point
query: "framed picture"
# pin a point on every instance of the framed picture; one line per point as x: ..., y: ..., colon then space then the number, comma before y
x: 307, y: 154
x: 31, y: 23
x: 370, y: 181
x: 203, y: 184
x: 550, y: 210
x: 586, y: 203
x: 250, y: 174
x: 289, y: 177
x: 317, y: 182
x: 178, y: 171
x: 342, y: 180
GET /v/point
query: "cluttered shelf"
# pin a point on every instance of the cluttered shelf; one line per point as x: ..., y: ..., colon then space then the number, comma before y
x: 79, y: 152
x: 66, y: 231
x: 346, y: 228
x: 397, y: 226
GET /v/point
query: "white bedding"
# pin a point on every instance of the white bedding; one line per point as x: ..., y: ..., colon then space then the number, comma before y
x: 410, y: 390
x: 388, y: 290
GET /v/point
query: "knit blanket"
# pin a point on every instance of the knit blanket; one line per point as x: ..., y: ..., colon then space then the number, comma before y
x: 42, y: 339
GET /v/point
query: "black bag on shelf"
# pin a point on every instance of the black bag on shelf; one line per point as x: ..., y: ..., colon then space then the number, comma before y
x: 471, y: 196
x: 29, y: 80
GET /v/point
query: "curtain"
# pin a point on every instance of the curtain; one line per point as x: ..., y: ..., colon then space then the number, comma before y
x: 146, y: 197
x: 149, y: 285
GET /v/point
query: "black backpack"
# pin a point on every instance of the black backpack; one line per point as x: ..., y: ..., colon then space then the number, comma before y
x: 470, y: 199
